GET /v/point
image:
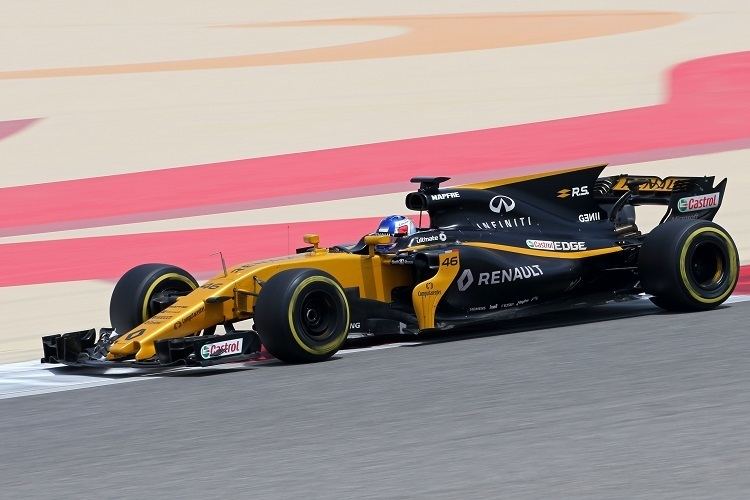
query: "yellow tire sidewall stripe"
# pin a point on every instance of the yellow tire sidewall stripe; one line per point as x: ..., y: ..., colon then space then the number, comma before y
x: 733, y: 265
x: 336, y: 342
x: 157, y: 281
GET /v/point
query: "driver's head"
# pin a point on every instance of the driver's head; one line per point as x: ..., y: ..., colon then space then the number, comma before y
x: 397, y: 225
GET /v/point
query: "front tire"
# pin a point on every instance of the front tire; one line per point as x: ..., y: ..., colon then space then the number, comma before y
x: 688, y: 265
x: 132, y: 300
x: 302, y: 315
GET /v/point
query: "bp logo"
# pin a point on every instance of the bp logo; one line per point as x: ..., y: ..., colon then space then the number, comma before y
x: 501, y: 204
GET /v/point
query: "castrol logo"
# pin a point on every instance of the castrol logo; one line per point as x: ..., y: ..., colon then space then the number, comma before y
x: 700, y: 202
x: 218, y: 349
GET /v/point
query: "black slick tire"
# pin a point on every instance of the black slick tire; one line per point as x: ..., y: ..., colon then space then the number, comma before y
x: 302, y: 315
x: 131, y: 303
x: 688, y: 265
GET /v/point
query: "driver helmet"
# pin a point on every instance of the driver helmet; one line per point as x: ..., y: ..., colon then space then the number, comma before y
x: 395, y: 226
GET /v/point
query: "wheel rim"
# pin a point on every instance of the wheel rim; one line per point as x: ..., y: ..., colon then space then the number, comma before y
x: 317, y: 315
x: 164, y: 293
x: 708, y: 265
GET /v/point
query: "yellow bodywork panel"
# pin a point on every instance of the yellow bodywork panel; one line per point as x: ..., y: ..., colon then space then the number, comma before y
x: 232, y: 297
x: 427, y: 294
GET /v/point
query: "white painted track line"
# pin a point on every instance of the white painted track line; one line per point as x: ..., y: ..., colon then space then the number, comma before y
x: 30, y: 378
x: 737, y: 298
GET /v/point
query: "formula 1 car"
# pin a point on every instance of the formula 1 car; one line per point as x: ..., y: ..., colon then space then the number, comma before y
x: 493, y: 251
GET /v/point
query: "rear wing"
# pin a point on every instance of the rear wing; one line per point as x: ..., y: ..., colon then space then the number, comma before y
x: 684, y: 197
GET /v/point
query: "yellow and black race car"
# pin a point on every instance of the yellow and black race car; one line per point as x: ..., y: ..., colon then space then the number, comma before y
x: 493, y: 251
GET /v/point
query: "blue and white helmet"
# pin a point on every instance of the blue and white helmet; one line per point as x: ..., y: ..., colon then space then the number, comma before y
x: 397, y: 225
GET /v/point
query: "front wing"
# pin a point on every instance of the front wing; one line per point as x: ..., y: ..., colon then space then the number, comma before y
x: 85, y: 348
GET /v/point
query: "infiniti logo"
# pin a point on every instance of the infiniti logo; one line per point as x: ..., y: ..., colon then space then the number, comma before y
x: 501, y: 204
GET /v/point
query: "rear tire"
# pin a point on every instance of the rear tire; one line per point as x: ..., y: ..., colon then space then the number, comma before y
x: 688, y: 265
x: 131, y: 303
x: 302, y: 315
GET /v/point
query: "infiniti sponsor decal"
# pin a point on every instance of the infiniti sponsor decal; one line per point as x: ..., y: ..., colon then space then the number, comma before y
x: 564, y: 246
x: 502, y: 204
x: 218, y: 349
x: 445, y: 196
x: 700, y: 202
x: 508, y: 223
x: 428, y: 239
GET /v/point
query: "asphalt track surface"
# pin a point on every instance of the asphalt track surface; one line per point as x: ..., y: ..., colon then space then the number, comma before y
x: 618, y: 402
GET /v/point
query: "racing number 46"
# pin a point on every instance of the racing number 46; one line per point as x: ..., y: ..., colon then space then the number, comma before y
x: 450, y: 261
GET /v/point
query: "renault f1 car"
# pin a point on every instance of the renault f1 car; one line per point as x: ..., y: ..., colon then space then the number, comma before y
x: 493, y: 251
